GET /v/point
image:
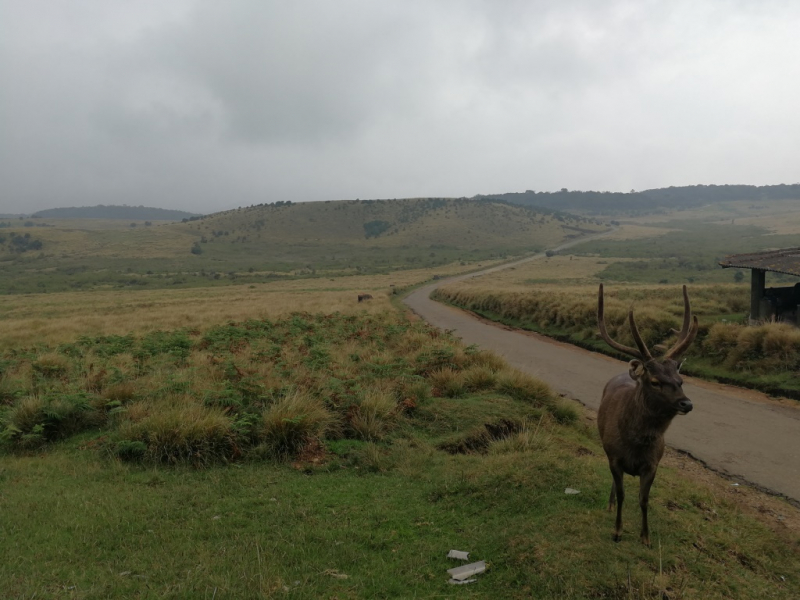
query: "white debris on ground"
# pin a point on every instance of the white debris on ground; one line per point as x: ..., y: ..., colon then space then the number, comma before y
x: 463, y: 574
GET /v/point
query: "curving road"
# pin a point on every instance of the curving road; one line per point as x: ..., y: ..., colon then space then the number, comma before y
x: 741, y: 433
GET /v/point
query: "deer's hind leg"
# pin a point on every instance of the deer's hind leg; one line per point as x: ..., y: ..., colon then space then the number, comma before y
x: 618, y: 494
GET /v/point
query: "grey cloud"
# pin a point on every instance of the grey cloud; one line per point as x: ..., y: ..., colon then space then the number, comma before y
x: 204, y: 105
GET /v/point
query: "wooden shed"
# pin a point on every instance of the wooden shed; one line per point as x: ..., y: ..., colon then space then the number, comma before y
x: 780, y: 303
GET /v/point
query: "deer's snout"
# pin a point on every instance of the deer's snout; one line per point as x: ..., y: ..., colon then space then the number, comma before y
x: 685, y: 406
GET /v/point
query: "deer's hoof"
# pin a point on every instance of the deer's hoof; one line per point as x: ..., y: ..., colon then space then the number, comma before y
x: 617, y: 537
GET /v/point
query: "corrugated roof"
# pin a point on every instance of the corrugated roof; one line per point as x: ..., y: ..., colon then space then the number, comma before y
x: 786, y: 261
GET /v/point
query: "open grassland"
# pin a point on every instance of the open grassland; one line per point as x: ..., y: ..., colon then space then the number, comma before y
x: 632, y: 231
x: 56, y: 318
x: 262, y: 243
x: 321, y: 456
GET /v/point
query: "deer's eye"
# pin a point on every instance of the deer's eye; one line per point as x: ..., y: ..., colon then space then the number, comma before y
x: 655, y: 383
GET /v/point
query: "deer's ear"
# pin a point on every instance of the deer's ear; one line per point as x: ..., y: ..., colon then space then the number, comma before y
x: 636, y: 369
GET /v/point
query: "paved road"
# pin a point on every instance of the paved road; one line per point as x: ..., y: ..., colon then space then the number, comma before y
x: 738, y: 432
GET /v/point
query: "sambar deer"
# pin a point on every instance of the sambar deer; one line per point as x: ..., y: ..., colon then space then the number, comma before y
x: 638, y: 407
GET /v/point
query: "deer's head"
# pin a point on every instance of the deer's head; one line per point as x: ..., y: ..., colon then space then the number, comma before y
x: 658, y: 378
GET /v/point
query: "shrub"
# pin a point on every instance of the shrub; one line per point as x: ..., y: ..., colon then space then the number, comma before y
x: 291, y: 422
x: 447, y: 382
x: 721, y: 339
x: 485, y: 358
x: 120, y: 392
x: 226, y: 398
x: 130, y: 450
x: 51, y: 364
x: 564, y: 412
x: 180, y: 434
x: 413, y: 387
x: 479, y: 378
x: 374, y: 415
x: 524, y: 387
x: 35, y: 420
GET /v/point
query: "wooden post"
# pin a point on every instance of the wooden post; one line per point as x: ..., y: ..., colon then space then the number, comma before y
x: 757, y: 284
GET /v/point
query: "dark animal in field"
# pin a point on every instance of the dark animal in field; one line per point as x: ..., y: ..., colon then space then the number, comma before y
x: 363, y: 297
x: 638, y: 407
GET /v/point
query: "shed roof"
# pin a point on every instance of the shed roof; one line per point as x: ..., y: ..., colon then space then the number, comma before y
x: 786, y: 261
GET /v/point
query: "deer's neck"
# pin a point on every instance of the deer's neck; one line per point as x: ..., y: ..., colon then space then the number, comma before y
x: 651, y: 415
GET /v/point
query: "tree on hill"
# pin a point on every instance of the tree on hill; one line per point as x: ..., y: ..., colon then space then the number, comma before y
x: 667, y: 198
x: 375, y: 228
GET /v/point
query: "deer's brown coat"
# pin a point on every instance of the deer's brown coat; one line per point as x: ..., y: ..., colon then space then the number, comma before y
x: 636, y: 410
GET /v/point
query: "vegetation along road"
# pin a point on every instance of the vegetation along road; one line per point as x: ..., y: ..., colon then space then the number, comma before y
x: 741, y: 433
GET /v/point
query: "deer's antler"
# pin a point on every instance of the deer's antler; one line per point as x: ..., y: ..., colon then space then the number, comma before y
x: 642, y: 353
x: 687, y: 332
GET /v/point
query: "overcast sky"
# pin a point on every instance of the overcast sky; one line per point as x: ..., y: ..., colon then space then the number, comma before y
x: 205, y: 105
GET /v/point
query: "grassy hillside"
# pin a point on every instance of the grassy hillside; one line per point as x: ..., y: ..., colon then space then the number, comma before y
x: 446, y: 222
x: 262, y: 243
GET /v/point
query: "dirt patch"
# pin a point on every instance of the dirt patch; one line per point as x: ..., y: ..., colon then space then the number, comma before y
x: 313, y: 454
x: 479, y: 441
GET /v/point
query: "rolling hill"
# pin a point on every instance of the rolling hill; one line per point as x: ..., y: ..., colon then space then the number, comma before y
x: 101, y: 211
x: 277, y: 240
x: 649, y: 201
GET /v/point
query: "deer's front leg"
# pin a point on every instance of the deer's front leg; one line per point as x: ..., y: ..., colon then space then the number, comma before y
x: 645, y: 482
x: 616, y: 472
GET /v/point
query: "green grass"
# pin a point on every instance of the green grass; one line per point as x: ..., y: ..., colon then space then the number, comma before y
x: 375, y: 522
x: 205, y: 507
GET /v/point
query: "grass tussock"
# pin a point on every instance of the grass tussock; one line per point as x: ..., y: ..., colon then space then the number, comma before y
x: 35, y: 420
x: 759, y: 349
x: 374, y: 414
x: 523, y: 387
x: 291, y: 422
x: 177, y: 434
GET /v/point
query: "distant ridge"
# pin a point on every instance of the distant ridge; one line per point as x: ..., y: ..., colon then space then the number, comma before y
x: 646, y: 201
x: 101, y: 211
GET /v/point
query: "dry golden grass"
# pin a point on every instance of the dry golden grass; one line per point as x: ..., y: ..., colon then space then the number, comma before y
x: 784, y: 223
x: 573, y: 308
x: 62, y: 317
x: 770, y: 214
x: 632, y: 231
x: 574, y: 269
x: 86, y: 239
x: 768, y: 348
